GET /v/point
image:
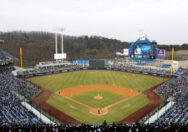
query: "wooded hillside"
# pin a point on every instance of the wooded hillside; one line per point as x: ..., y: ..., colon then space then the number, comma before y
x: 39, y: 46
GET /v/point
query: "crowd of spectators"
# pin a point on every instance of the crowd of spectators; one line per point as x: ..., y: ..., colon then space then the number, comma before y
x: 5, y: 58
x: 145, y: 67
x: 51, y: 70
x: 121, y: 64
x: 13, y: 92
x: 15, y: 117
x: 134, y: 127
x: 177, y: 90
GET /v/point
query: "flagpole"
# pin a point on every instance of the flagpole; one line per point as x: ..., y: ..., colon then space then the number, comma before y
x: 21, y: 61
x: 172, y: 61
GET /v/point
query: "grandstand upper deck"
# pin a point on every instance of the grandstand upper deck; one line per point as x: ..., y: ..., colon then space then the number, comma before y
x: 49, y: 64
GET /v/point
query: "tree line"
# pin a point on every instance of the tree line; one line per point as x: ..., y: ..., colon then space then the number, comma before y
x: 40, y: 46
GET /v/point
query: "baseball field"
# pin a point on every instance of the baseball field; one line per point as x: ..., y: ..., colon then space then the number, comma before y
x: 90, y: 96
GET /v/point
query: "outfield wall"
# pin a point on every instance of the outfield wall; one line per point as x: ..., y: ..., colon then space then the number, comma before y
x: 114, y: 69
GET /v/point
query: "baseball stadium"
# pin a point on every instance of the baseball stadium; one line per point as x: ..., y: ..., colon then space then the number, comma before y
x: 134, y: 90
x: 98, y: 94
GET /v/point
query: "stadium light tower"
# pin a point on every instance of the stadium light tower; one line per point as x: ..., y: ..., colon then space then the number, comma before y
x: 56, y: 42
x: 58, y: 56
x: 61, y: 30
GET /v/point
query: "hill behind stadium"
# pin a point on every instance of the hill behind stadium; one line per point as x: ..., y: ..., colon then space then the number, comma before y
x: 82, y: 47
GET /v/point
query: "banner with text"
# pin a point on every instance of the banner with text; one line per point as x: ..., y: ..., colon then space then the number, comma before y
x: 161, y: 52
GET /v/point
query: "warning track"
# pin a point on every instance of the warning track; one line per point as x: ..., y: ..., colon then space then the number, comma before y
x: 41, y: 98
x: 155, y: 101
x: 40, y: 101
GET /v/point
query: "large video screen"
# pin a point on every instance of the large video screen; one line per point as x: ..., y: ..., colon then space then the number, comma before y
x: 143, y: 51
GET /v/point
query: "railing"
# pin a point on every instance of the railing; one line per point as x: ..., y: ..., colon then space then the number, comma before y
x: 145, y: 118
x: 46, y: 114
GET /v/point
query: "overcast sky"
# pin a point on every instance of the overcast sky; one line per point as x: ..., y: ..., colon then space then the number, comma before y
x: 165, y: 21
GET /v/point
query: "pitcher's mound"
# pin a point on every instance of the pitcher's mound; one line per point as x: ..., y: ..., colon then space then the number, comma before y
x: 98, y: 97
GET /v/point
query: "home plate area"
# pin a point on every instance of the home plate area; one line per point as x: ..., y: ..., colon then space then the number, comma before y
x: 98, y: 98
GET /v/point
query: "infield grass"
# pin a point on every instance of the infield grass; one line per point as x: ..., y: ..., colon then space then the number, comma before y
x: 82, y: 114
x: 88, y: 98
x: 116, y: 113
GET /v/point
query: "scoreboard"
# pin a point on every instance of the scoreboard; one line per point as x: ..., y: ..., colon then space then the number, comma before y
x: 143, y: 50
x: 96, y: 64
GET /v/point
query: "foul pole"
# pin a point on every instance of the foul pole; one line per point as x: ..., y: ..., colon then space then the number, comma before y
x: 21, y: 60
x: 172, y: 60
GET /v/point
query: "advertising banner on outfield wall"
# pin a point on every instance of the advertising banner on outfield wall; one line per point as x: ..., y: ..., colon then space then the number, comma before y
x: 161, y: 52
x: 126, y: 52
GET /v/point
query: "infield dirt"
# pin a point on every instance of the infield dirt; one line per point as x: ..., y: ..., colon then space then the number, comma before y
x: 42, y: 97
x: 126, y: 92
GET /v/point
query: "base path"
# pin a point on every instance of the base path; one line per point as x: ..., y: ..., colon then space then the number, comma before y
x: 40, y: 101
x: 41, y: 98
x: 69, y: 92
x: 126, y: 92
x: 155, y: 101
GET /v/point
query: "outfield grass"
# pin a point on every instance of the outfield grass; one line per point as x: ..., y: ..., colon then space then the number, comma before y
x: 116, y: 113
x: 88, y: 98
x: 82, y: 114
x: 101, y: 77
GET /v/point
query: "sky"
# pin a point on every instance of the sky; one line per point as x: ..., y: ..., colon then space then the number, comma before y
x: 165, y: 21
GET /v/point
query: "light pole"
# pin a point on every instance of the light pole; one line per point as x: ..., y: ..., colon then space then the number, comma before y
x: 57, y: 55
